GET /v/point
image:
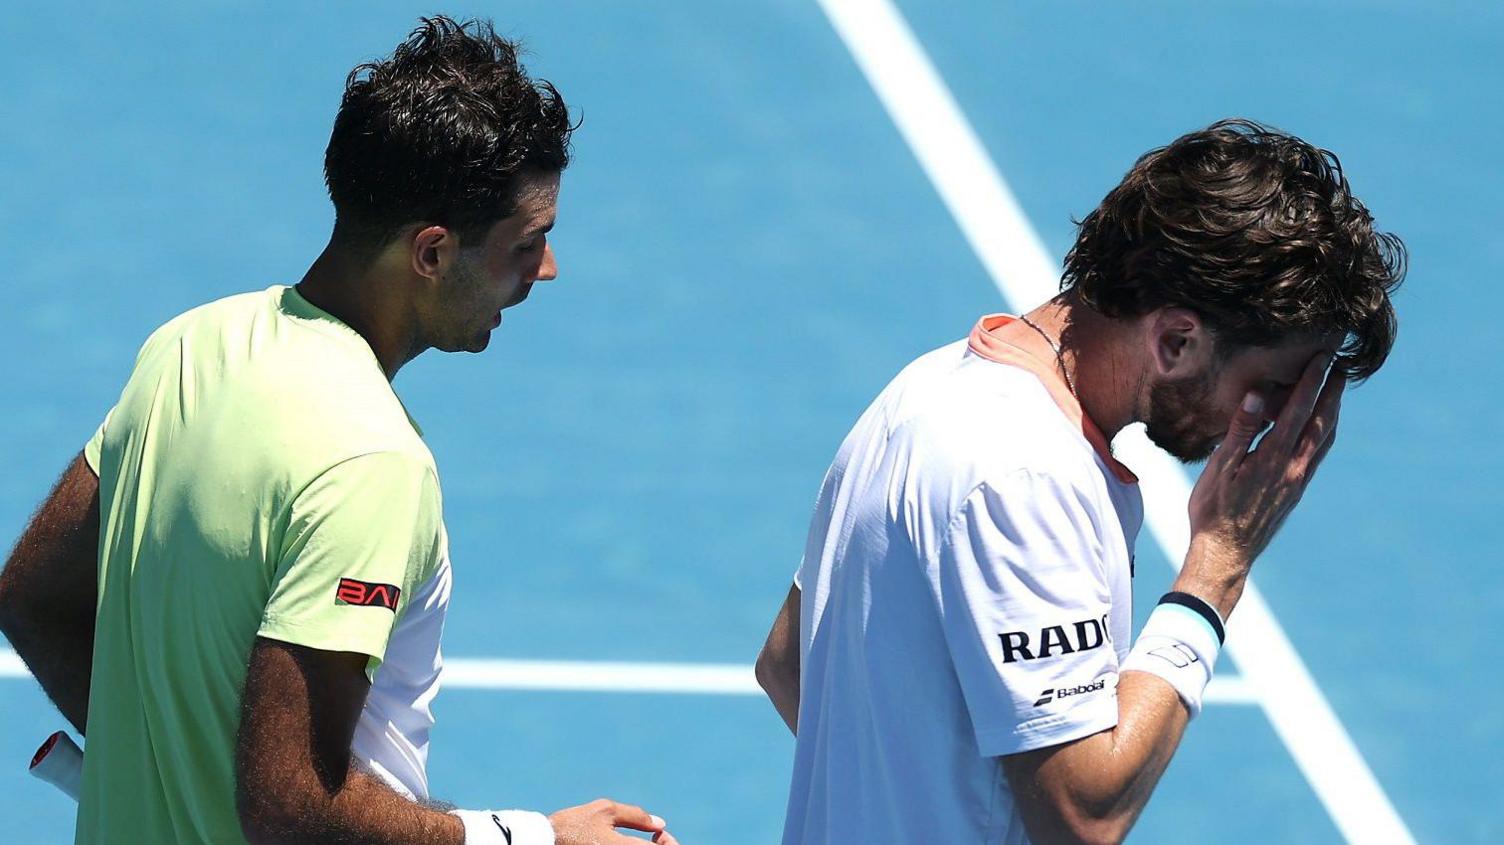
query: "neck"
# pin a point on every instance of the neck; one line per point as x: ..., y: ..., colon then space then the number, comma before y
x: 364, y: 294
x: 1092, y: 354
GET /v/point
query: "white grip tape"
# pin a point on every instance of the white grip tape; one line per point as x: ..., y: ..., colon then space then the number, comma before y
x: 505, y: 827
x: 1177, y: 644
x: 60, y: 762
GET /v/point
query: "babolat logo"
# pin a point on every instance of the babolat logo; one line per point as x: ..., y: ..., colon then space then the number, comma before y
x: 1066, y: 692
x: 366, y: 594
x: 1055, y: 639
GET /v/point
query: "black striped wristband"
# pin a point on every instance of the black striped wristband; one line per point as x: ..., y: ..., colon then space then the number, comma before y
x: 1200, y: 605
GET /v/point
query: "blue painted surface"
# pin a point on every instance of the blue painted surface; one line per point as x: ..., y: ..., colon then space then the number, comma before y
x: 748, y: 252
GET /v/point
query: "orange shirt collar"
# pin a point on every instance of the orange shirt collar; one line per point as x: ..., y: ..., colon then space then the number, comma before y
x: 987, y: 343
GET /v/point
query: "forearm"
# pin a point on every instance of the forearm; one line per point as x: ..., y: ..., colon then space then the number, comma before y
x: 296, y: 779
x: 1131, y: 758
x: 361, y: 808
x: 366, y: 799
x: 1092, y: 790
x: 59, y: 653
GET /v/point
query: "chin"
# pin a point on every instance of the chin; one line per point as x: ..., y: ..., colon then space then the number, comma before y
x: 1181, y: 447
x: 479, y: 342
x: 476, y: 342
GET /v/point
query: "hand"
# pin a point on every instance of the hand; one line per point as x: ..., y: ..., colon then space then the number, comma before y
x: 596, y: 823
x: 1243, y: 497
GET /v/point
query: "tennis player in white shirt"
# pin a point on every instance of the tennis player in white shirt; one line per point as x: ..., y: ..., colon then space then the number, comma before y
x: 956, y: 657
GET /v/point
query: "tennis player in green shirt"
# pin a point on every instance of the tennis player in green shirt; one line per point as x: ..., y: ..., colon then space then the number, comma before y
x: 238, y: 589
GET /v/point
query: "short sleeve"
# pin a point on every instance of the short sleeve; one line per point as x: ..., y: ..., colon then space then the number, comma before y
x: 95, y: 446
x: 360, y: 540
x: 820, y: 520
x: 1025, y: 606
x: 94, y: 449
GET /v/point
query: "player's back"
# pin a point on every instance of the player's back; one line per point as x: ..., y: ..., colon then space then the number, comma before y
x: 231, y: 412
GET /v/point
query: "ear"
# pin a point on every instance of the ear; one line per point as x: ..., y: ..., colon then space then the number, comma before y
x: 432, y: 250
x: 1179, y: 343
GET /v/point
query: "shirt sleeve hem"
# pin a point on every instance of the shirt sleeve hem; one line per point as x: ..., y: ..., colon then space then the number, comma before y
x: 1045, y: 732
x: 321, y: 638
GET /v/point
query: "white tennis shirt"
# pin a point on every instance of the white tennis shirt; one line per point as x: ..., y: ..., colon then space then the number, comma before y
x: 965, y: 595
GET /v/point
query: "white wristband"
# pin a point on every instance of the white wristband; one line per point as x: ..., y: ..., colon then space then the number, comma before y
x: 505, y: 827
x: 1179, y: 643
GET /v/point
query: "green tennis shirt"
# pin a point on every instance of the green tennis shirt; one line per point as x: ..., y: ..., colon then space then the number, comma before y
x: 258, y: 477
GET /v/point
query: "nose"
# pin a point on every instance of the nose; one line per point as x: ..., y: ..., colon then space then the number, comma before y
x: 548, y: 270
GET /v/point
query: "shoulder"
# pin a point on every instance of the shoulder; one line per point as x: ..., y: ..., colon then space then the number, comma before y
x: 982, y: 422
x: 379, y: 476
x: 295, y: 396
x: 211, y: 316
x: 1036, y: 496
x: 387, y: 503
x: 975, y: 442
x: 376, y: 450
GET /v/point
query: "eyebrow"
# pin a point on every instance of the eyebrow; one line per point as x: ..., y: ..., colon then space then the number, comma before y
x: 535, y: 231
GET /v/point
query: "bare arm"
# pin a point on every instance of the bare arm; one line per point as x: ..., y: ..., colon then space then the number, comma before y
x: 1092, y: 790
x: 49, y: 590
x: 778, y: 663
x: 293, y: 773
x: 295, y: 782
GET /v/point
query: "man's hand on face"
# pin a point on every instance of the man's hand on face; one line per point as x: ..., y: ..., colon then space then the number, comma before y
x: 1243, y: 497
x: 596, y: 823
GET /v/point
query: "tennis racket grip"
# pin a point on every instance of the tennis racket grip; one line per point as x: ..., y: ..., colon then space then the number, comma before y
x: 60, y: 762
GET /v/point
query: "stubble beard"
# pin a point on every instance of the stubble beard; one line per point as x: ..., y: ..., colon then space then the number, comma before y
x: 468, y: 330
x: 1176, y: 419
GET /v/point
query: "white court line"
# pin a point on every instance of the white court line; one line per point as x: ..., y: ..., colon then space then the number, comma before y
x: 950, y: 153
x: 602, y: 676
x: 675, y: 678
x: 594, y: 676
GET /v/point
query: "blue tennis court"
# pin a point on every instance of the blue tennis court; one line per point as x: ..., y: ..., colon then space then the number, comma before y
x: 750, y: 246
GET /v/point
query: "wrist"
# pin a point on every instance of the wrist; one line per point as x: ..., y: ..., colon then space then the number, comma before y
x: 1219, y: 552
x: 1180, y: 643
x: 505, y: 827
x: 1215, y: 572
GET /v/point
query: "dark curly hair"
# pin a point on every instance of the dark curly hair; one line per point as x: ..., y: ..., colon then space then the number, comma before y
x: 439, y: 133
x: 1255, y: 230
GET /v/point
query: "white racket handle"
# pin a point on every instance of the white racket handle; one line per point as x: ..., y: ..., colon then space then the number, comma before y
x: 60, y: 762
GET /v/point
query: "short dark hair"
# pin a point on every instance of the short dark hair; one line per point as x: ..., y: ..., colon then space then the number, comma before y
x: 1255, y: 230
x: 439, y: 133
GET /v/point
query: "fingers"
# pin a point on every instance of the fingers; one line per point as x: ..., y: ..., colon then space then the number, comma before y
x: 1324, y: 448
x: 634, y: 818
x: 663, y: 837
x: 1292, y: 418
x: 1245, y: 425
x: 1322, y: 431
